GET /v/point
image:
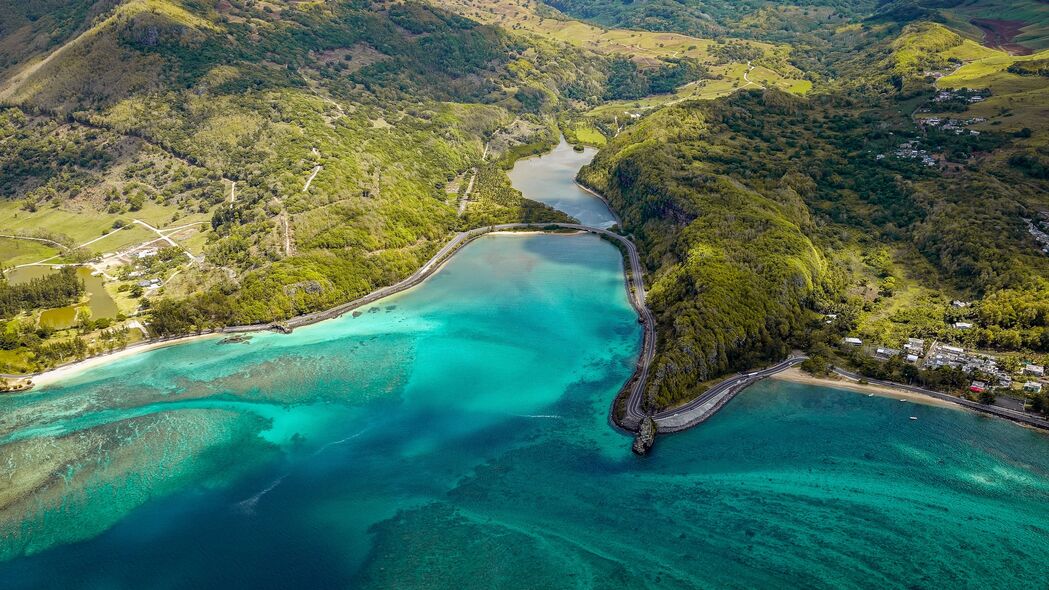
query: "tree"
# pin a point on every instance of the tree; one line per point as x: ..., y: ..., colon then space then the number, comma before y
x: 815, y: 365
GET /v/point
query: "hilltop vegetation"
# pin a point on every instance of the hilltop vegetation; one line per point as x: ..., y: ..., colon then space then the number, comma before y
x: 851, y: 169
x: 324, y: 146
x: 714, y: 18
x: 762, y: 211
x: 718, y: 67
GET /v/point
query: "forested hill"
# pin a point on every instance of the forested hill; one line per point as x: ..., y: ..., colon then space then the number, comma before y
x: 719, y: 18
x: 300, y: 154
x: 288, y: 156
x: 734, y: 264
x: 761, y: 212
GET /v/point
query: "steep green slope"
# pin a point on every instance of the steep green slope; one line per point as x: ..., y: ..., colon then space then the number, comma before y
x: 31, y: 29
x: 759, y: 210
x: 734, y: 267
x: 326, y: 146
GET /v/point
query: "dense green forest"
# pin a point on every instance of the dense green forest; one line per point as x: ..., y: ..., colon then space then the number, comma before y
x: 301, y: 154
x: 715, y: 18
x: 751, y: 209
x: 56, y: 290
x: 628, y: 81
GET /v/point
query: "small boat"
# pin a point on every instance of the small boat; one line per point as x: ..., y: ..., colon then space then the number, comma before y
x: 870, y: 395
x: 914, y: 417
x: 903, y: 399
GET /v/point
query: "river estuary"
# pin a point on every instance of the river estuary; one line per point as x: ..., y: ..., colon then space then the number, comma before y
x: 456, y: 436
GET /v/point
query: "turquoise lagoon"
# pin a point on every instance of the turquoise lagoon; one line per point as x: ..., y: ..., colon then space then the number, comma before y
x: 455, y: 436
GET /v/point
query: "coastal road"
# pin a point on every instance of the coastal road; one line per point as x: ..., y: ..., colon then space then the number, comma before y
x: 704, y: 406
x: 634, y: 281
x: 1014, y: 415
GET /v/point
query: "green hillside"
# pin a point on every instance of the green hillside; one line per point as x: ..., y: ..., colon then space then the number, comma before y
x: 792, y: 172
x: 763, y: 211
x: 300, y: 154
x: 733, y: 267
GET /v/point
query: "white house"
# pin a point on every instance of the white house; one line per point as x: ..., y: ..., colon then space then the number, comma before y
x: 1036, y: 370
x: 851, y: 341
x: 1033, y: 387
x: 886, y: 353
x: 962, y: 325
x: 914, y: 345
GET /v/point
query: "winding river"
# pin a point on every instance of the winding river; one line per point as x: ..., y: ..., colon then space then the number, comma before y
x: 455, y: 435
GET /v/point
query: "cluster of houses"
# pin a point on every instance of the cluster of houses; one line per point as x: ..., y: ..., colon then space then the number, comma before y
x: 955, y: 125
x: 944, y: 355
x: 909, y: 150
x: 946, y: 95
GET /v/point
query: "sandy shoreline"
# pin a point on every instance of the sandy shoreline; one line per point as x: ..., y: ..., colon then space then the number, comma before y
x: 796, y: 375
x: 52, y: 376
x: 57, y: 374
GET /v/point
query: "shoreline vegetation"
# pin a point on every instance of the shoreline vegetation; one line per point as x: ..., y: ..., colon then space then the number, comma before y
x: 618, y: 414
x: 434, y: 265
x: 431, y: 267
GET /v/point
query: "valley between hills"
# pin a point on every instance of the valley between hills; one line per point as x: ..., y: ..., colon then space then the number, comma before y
x: 796, y: 177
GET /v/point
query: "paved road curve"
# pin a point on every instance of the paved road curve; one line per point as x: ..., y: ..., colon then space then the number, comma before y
x: 707, y: 404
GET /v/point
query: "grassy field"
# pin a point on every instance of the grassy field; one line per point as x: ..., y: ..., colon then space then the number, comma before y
x: 14, y: 251
x: 644, y: 47
x: 584, y: 132
x: 1015, y: 102
x: 82, y: 226
x: 731, y: 81
x: 528, y: 16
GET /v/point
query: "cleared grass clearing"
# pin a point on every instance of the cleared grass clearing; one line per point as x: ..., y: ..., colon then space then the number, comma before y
x: 1015, y: 102
x: 14, y: 252
x: 194, y: 242
x: 644, y: 47
x: 533, y: 17
x: 731, y: 80
x: 584, y: 132
x: 129, y: 236
x: 970, y: 50
x: 85, y: 224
